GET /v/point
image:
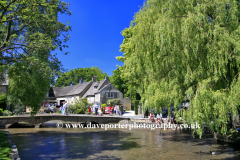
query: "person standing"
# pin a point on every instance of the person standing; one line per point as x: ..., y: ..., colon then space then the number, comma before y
x: 96, y: 109
x: 151, y: 116
x: 65, y: 107
x: 89, y: 110
x: 161, y: 117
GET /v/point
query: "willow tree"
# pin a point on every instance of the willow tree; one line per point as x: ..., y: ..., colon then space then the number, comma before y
x: 186, y: 49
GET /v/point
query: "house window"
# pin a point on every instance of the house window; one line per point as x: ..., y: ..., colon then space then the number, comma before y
x: 110, y: 95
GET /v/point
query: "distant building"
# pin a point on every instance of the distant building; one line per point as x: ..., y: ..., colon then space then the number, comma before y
x: 95, y: 92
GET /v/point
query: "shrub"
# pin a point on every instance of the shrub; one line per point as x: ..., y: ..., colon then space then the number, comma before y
x: 104, y: 105
x: 58, y: 111
x: 114, y: 102
x: 3, y: 100
x: 81, y: 110
x: 18, y: 110
x: 136, y: 103
x: 7, y: 113
x: 16, y: 105
x: 71, y: 109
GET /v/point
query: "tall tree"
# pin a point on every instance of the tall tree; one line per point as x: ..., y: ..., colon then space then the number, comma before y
x: 74, y: 76
x: 118, y: 81
x: 123, y: 85
x: 29, y: 32
x: 178, y: 49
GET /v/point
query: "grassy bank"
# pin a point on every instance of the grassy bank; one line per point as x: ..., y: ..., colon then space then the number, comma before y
x: 5, y: 149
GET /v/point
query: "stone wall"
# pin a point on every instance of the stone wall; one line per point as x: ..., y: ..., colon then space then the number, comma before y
x: 3, y: 89
x: 117, y: 94
x: 126, y: 102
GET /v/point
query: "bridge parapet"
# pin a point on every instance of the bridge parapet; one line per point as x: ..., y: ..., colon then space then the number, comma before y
x: 39, y: 119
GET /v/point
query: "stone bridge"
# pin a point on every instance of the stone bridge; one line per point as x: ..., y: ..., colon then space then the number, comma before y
x: 37, y: 120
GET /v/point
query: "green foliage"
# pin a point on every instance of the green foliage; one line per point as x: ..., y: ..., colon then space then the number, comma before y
x: 181, y: 50
x: 1, y: 110
x: 29, y: 32
x: 5, y: 149
x: 114, y: 102
x: 81, y: 110
x: 74, y: 76
x: 6, y: 113
x: 136, y: 103
x: 71, y: 109
x: 58, y: 111
x: 124, y: 85
x: 28, y: 26
x: 104, y: 105
x: 118, y: 81
x: 80, y: 107
x: 33, y: 88
x: 16, y: 105
x: 3, y: 101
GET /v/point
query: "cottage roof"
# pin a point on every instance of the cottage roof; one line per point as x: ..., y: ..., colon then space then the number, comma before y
x: 99, y: 84
x: 70, y: 90
x: 95, y: 87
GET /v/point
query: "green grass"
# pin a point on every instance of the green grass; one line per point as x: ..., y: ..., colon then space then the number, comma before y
x: 5, y: 149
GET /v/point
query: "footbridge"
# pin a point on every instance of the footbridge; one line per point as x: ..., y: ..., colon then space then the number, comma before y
x: 37, y: 120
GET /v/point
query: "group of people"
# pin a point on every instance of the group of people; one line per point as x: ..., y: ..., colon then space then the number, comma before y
x: 96, y: 109
x: 99, y: 111
x: 63, y: 108
x: 51, y: 107
x: 116, y: 110
x: 159, y: 118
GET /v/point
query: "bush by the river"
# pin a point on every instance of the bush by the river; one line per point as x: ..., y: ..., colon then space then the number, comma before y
x: 5, y: 149
x: 104, y: 105
x: 58, y: 111
x: 80, y: 107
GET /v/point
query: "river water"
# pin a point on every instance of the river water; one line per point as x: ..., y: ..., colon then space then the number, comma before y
x: 72, y: 143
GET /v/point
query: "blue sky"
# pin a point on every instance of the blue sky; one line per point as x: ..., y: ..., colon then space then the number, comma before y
x: 96, y: 32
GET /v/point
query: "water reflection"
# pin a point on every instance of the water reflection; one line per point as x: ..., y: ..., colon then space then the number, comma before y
x: 53, y: 143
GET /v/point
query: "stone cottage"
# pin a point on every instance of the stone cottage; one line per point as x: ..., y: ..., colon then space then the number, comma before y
x: 95, y: 91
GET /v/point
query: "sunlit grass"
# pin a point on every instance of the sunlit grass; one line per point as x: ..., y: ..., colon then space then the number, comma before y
x: 5, y: 149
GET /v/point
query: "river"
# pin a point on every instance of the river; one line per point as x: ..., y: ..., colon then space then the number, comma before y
x: 65, y: 143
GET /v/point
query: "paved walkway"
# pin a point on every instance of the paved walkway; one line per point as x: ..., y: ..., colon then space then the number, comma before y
x: 131, y: 114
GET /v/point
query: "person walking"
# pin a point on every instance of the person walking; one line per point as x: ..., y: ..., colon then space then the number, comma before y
x: 65, y: 107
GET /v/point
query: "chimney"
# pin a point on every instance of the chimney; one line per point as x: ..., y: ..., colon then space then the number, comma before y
x: 107, y: 78
x: 81, y: 81
x: 94, y: 78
